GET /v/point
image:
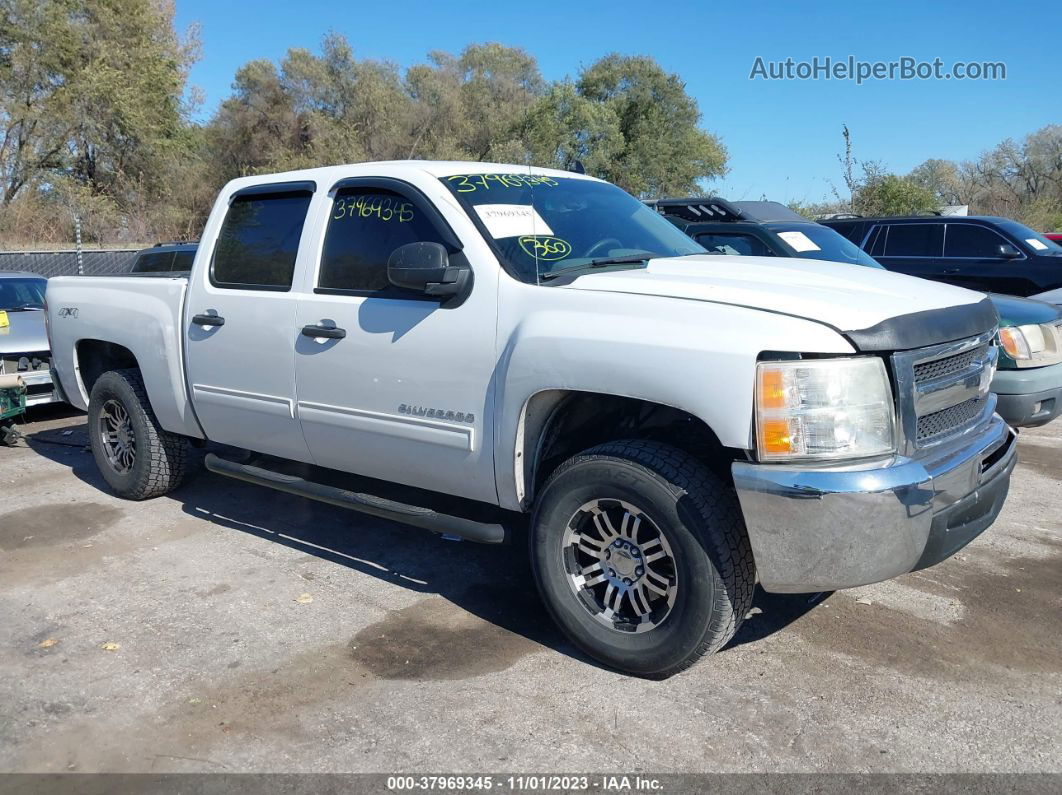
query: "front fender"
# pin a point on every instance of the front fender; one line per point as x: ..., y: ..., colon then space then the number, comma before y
x: 691, y: 355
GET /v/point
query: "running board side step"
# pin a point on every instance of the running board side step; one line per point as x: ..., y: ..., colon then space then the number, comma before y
x: 426, y: 518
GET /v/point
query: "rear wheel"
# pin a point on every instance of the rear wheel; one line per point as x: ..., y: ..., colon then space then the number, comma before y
x: 641, y: 556
x: 135, y: 455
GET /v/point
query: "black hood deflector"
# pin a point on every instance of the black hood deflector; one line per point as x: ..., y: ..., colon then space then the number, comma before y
x: 922, y: 329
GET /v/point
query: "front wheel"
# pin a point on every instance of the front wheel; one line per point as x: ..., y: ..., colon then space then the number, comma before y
x: 641, y: 556
x: 135, y: 455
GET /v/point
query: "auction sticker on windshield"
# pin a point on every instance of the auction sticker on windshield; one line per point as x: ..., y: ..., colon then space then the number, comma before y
x: 4, y: 322
x: 512, y: 220
x: 799, y: 241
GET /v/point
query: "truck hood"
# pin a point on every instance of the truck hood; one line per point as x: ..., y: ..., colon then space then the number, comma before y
x: 847, y: 297
x: 25, y: 334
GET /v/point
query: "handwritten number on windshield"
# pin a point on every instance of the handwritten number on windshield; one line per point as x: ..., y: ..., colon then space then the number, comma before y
x: 545, y: 248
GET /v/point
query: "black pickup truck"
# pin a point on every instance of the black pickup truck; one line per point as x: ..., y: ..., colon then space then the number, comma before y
x: 986, y: 253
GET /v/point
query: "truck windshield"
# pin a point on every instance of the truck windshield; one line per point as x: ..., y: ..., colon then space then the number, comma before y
x: 543, y: 226
x: 814, y: 241
x: 22, y: 295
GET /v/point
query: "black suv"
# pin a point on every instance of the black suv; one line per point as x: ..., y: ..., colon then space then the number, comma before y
x: 165, y: 259
x: 758, y: 229
x: 981, y: 252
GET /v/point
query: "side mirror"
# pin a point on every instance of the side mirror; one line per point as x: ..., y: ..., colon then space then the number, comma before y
x: 1007, y: 251
x: 426, y: 268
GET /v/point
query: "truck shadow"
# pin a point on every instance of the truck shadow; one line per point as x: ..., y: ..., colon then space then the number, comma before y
x: 492, y: 583
x: 773, y: 612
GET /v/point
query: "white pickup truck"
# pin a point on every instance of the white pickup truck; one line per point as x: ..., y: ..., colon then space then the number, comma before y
x: 491, y: 340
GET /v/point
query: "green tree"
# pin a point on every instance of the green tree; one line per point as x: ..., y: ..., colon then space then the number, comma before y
x: 128, y: 108
x: 888, y: 194
x: 563, y: 127
x: 472, y: 106
x: 257, y: 128
x: 942, y: 178
x: 91, y: 103
x: 664, y: 151
x: 39, y: 45
x: 874, y: 191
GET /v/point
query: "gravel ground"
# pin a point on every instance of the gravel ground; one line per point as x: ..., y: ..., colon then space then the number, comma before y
x: 230, y: 628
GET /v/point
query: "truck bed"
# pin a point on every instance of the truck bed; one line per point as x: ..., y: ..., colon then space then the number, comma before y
x: 144, y: 316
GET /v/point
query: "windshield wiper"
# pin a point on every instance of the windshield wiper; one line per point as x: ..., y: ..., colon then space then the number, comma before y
x: 24, y: 308
x: 633, y: 259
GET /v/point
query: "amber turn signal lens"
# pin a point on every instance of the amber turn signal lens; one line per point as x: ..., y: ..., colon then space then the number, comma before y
x: 772, y: 389
x: 776, y: 436
x: 1014, y: 343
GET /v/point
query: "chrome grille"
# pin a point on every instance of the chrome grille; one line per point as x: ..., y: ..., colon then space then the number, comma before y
x: 946, y: 420
x: 938, y: 368
x: 942, y: 391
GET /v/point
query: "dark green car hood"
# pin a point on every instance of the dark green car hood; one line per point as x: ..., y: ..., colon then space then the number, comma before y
x: 1014, y: 311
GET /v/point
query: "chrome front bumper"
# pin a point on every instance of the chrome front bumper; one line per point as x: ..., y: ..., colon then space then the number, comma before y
x: 829, y: 528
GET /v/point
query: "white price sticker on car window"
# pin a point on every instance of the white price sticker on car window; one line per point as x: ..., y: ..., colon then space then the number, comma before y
x: 512, y: 220
x: 1032, y: 241
x: 799, y: 241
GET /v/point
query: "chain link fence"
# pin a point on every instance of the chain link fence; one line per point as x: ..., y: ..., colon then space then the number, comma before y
x: 98, y: 262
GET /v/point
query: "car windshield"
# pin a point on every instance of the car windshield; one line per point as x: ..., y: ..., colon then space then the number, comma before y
x: 814, y: 241
x: 22, y: 295
x: 543, y: 226
x: 1034, y: 240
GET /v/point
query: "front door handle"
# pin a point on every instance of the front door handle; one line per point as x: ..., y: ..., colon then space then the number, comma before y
x: 328, y: 332
x: 208, y: 320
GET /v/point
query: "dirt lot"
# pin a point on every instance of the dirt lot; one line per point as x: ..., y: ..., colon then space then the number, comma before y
x: 230, y: 628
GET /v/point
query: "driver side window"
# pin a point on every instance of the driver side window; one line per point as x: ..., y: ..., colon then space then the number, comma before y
x: 972, y: 242
x: 365, y: 226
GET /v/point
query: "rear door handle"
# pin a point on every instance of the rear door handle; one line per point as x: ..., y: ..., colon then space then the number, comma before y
x: 208, y: 320
x: 328, y: 332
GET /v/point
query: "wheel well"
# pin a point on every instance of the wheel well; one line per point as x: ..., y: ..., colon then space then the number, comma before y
x: 564, y: 423
x: 96, y: 357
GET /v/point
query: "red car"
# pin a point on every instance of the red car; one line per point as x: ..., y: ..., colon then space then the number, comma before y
x: 1056, y: 236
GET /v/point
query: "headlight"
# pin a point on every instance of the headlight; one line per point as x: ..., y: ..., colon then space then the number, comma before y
x: 823, y: 409
x: 1032, y: 345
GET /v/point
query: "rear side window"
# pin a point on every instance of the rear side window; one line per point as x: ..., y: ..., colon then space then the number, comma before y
x: 154, y: 262
x: 365, y: 226
x: 968, y: 240
x: 259, y: 240
x: 182, y: 260
x: 915, y: 240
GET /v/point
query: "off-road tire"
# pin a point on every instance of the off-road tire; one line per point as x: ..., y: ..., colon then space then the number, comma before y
x: 700, y: 516
x: 161, y: 457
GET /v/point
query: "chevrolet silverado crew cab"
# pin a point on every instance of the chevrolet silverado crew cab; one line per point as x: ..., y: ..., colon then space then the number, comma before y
x: 478, y: 341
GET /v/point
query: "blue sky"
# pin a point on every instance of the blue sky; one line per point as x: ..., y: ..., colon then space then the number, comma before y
x: 782, y: 136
